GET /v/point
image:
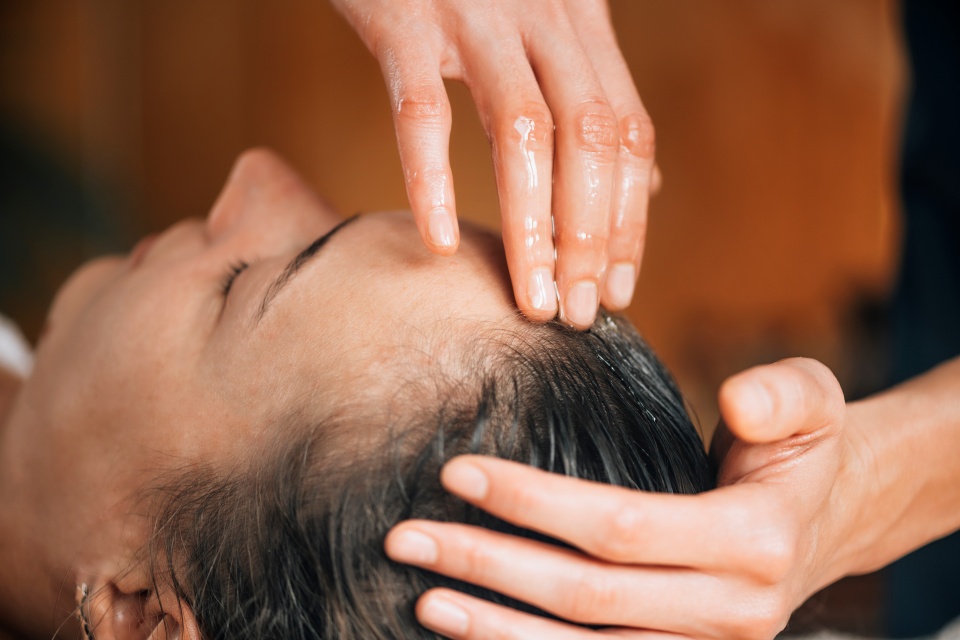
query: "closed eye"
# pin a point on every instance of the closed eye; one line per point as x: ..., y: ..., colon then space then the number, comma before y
x: 235, y: 270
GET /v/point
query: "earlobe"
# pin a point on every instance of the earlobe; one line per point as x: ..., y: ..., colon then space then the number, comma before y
x: 117, y: 611
x: 107, y: 613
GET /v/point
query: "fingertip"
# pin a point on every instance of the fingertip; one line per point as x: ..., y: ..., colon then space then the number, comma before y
x: 776, y: 401
x: 463, y: 477
x: 580, y: 305
x: 442, y: 611
x: 537, y: 316
x: 409, y: 545
x: 441, y: 233
x: 540, y: 296
x: 619, y: 286
x: 747, y: 406
x: 443, y: 251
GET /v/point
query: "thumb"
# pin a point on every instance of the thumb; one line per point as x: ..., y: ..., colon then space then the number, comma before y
x: 776, y: 401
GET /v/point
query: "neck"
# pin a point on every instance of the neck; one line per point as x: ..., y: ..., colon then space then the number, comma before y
x: 34, y: 600
x: 9, y: 386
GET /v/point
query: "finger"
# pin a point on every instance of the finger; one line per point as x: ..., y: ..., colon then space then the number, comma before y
x: 711, y: 531
x: 633, y: 181
x: 588, y: 143
x: 558, y: 580
x: 422, y: 119
x: 462, y: 617
x: 520, y: 128
x: 459, y: 616
x: 584, y: 590
x: 772, y: 402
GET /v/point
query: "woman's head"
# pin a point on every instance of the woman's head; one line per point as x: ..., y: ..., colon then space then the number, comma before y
x: 292, y: 547
x: 274, y: 424
x: 153, y: 364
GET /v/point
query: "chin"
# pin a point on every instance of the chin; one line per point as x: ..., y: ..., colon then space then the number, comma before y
x: 83, y: 285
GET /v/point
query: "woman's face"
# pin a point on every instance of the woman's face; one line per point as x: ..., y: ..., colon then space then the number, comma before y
x: 152, y: 363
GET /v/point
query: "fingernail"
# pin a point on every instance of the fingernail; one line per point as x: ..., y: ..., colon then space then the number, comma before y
x: 413, y: 547
x: 440, y: 227
x: 620, y: 282
x: 445, y: 617
x: 465, y: 480
x: 540, y: 290
x: 756, y: 405
x: 580, y: 305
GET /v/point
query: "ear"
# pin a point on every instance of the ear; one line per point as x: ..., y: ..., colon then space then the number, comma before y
x: 129, y: 608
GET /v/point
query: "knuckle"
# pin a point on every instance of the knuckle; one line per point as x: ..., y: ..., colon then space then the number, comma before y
x: 774, y: 550
x: 761, y: 617
x: 595, y: 593
x: 820, y: 374
x: 496, y: 633
x: 776, y: 557
x: 523, y: 500
x: 425, y: 178
x: 476, y: 560
x: 589, y: 245
x: 628, y: 230
x: 617, y: 541
x: 552, y: 11
x: 638, y: 136
x: 423, y: 105
x: 498, y: 630
x: 532, y: 125
x: 831, y: 386
x: 597, y: 130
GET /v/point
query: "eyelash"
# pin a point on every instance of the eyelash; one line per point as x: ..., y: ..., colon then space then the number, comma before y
x: 235, y: 270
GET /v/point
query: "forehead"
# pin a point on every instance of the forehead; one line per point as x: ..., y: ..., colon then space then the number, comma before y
x: 377, y: 267
x: 373, y: 304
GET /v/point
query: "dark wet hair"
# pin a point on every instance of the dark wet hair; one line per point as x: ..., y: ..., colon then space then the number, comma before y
x: 292, y: 547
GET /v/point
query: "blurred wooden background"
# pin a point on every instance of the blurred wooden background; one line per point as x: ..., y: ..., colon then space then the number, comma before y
x: 777, y: 125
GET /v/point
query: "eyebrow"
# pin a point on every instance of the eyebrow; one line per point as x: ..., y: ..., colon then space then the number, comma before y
x: 294, y: 267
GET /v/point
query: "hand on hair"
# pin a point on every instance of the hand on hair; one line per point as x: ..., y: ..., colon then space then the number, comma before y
x: 730, y: 563
x: 544, y: 74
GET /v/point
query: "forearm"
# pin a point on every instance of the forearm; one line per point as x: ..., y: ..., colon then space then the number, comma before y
x: 900, y: 487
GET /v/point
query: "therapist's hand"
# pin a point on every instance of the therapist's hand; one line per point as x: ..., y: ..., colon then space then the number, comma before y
x: 568, y: 132
x: 729, y: 563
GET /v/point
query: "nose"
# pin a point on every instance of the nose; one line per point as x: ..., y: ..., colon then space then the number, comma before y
x: 263, y: 193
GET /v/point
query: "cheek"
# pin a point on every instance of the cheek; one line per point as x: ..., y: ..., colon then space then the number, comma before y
x: 111, y: 342
x: 64, y: 351
x: 122, y: 408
